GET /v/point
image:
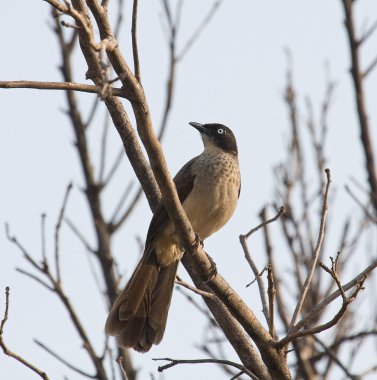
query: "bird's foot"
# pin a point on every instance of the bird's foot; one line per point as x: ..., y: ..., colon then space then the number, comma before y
x: 212, y: 272
x: 197, y: 242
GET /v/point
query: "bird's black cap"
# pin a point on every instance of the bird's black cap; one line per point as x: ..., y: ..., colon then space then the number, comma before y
x: 219, y: 134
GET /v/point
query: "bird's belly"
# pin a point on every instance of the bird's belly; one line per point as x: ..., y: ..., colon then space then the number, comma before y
x: 210, y: 207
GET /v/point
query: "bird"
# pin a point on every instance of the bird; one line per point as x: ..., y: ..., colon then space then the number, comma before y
x: 208, y: 187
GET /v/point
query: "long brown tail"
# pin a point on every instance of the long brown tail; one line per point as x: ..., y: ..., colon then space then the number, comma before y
x: 139, y: 314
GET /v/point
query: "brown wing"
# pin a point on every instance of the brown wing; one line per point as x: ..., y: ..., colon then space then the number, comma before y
x: 184, y: 182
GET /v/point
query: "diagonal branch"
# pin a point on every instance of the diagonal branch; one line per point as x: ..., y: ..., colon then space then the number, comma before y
x: 65, y: 362
x: 316, y: 252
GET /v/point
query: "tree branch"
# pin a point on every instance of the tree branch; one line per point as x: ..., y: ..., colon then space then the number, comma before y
x: 6, y: 350
x: 65, y: 86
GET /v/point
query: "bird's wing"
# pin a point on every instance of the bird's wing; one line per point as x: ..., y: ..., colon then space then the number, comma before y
x: 184, y: 182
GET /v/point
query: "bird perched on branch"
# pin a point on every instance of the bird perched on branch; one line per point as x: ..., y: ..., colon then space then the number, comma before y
x: 208, y: 187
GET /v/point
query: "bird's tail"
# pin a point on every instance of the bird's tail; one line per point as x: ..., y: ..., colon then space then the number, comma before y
x: 139, y: 314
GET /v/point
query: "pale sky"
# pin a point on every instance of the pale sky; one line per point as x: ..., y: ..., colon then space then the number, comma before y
x: 235, y: 75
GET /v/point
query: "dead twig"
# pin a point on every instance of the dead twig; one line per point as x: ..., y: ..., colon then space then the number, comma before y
x: 316, y: 252
x: 57, y: 231
x: 174, y: 362
x: 5, y: 348
x: 65, y: 362
x: 346, y: 301
x: 134, y: 42
x: 271, y: 301
x: 65, y: 86
x: 258, y: 278
x: 202, y: 293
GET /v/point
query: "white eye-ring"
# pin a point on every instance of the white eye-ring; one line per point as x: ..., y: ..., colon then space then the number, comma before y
x: 220, y: 131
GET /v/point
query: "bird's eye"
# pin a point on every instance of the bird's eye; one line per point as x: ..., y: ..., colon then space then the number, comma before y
x: 220, y: 131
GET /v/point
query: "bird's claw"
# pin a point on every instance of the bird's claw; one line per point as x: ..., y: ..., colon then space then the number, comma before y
x: 197, y: 242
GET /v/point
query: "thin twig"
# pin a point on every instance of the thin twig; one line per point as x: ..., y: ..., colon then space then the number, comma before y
x: 65, y: 362
x: 35, y: 278
x: 335, y: 359
x: 200, y: 308
x: 271, y: 301
x: 6, y: 350
x: 174, y: 362
x: 43, y: 236
x: 114, y: 167
x: 57, y: 231
x: 122, y: 370
x: 79, y: 235
x: 365, y: 210
x: 191, y: 41
x: 65, y: 86
x: 121, y: 202
x: 258, y: 278
x: 186, y: 285
x: 280, y: 304
x: 346, y: 301
x: 321, y: 306
x: 316, y: 252
x: 134, y: 42
x: 276, y: 217
x: 102, y: 164
x: 127, y: 213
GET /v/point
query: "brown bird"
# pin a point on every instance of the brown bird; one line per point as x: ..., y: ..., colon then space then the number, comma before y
x: 208, y: 187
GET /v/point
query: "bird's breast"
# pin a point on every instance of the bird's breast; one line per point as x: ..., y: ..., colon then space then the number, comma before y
x: 214, y: 196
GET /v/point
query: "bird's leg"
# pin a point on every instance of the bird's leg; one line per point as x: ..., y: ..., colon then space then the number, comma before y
x: 208, y: 276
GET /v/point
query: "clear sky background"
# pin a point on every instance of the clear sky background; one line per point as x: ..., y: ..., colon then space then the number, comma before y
x: 234, y: 74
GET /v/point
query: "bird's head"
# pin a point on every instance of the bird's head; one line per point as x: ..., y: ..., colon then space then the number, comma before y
x: 217, y: 135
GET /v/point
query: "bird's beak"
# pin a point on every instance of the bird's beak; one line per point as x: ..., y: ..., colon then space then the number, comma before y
x: 200, y: 127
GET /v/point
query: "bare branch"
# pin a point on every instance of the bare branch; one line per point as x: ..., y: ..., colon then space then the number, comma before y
x: 103, y: 150
x: 316, y: 252
x: 65, y: 86
x: 127, y: 213
x: 65, y: 362
x: 174, y: 362
x: 134, y: 42
x: 35, y: 278
x: 321, y: 306
x: 57, y: 231
x: 271, y: 301
x: 275, y: 218
x: 365, y: 210
x: 207, y: 19
x: 370, y: 68
x: 281, y: 306
x: 179, y: 281
x: 79, y: 235
x: 43, y: 236
x: 367, y: 34
x: 121, y: 202
x: 339, y: 314
x: 336, y: 360
x: 357, y: 78
x: 119, y: 158
x: 6, y: 350
x: 122, y: 370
